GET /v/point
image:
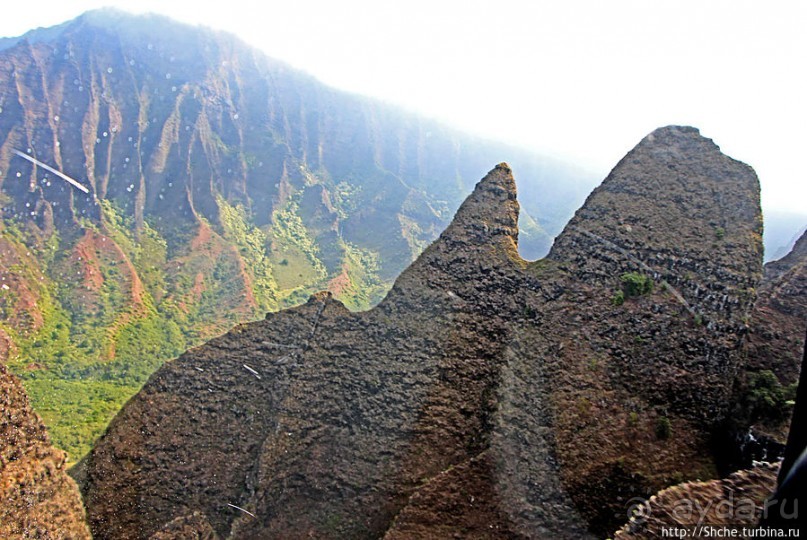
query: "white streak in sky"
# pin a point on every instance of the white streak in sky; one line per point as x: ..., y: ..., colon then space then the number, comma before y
x: 54, y: 171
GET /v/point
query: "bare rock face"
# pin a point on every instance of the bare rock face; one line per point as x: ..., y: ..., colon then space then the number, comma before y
x: 39, y: 499
x: 485, y: 396
x: 779, y: 320
x: 772, y: 356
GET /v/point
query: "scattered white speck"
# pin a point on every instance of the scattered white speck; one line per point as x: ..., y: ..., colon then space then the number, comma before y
x: 235, y: 116
x: 239, y: 508
x: 109, y: 70
x: 131, y: 62
x: 56, y: 118
x: 5, y: 287
x: 167, y: 75
x: 257, y: 375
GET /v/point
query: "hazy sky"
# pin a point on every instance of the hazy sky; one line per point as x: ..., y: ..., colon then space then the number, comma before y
x: 584, y: 80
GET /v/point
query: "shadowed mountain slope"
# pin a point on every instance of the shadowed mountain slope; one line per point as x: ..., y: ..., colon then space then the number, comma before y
x: 485, y: 396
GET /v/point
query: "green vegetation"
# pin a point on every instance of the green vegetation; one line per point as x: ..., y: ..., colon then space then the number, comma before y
x: 251, y: 243
x: 64, y: 364
x: 767, y: 398
x: 294, y: 254
x: 720, y: 233
x: 365, y: 287
x: 663, y: 428
x: 76, y: 411
x: 102, y: 334
x: 635, y: 284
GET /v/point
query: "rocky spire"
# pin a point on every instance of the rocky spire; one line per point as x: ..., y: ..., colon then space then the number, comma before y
x: 523, y: 382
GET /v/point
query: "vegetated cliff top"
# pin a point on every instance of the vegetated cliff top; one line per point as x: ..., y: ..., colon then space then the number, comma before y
x: 484, y: 396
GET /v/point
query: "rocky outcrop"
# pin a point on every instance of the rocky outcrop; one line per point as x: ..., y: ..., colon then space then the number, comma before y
x: 485, y: 396
x: 772, y: 357
x: 39, y: 499
x: 736, y: 502
x: 779, y: 320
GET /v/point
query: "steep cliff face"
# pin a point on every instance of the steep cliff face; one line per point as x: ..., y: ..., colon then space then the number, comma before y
x: 220, y: 184
x: 779, y: 320
x: 39, y: 499
x: 485, y: 396
x: 772, y: 355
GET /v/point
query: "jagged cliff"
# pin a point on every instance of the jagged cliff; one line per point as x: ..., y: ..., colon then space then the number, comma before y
x: 772, y: 356
x: 776, y: 332
x: 221, y: 184
x: 779, y: 319
x: 485, y: 396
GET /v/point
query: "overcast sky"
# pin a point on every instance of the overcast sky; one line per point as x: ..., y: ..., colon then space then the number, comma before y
x: 584, y: 80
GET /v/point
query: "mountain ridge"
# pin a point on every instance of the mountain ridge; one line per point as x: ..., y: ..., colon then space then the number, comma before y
x: 535, y: 385
x: 222, y: 184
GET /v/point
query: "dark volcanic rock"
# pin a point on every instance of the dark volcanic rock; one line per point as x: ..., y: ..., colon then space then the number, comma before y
x: 485, y: 396
x: 772, y: 355
x: 779, y: 320
x: 192, y: 527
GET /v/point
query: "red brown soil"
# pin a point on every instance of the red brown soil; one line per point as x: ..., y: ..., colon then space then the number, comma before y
x: 340, y: 283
